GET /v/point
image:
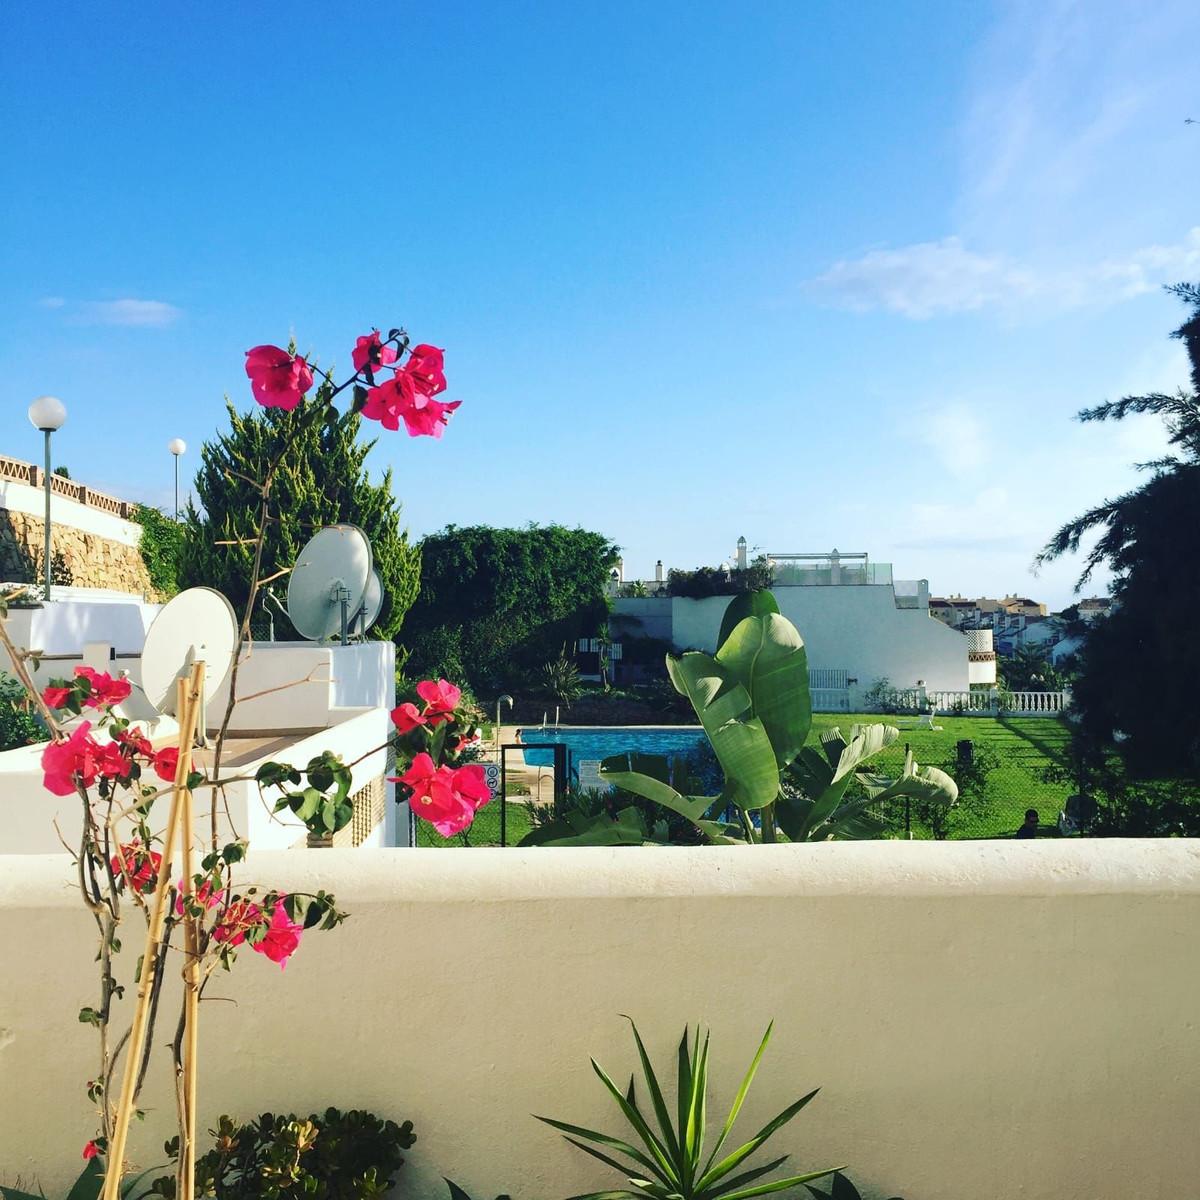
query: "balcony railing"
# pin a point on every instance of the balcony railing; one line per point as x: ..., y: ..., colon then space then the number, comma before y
x: 24, y: 472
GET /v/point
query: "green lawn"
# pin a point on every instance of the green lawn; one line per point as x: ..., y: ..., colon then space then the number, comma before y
x: 486, y: 829
x: 1023, y: 746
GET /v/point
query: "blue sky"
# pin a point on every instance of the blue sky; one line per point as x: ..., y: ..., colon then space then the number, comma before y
x: 815, y: 274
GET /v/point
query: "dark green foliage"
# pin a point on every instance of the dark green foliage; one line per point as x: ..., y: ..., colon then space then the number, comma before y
x: 720, y: 581
x: 560, y: 679
x: 496, y: 604
x: 322, y: 481
x: 160, y: 544
x: 841, y: 1189
x: 18, y: 725
x: 457, y: 1193
x: 328, y: 1156
x: 1138, y: 664
x: 63, y: 472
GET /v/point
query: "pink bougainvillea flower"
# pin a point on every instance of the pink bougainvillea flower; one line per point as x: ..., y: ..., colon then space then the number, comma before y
x: 105, y: 690
x: 137, y: 864
x: 282, y: 938
x: 425, y: 365
x: 436, y: 797
x: 470, y: 782
x: 399, y: 400
x: 90, y: 1150
x: 441, y: 699
x: 204, y: 894
x: 428, y: 417
x: 165, y: 763
x: 137, y: 742
x: 77, y: 758
x: 388, y: 402
x: 369, y: 351
x: 111, y: 763
x: 56, y: 697
x: 407, y: 717
x: 277, y: 379
x: 239, y: 917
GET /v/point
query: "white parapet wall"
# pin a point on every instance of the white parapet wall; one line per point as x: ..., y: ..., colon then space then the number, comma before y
x: 984, y: 1020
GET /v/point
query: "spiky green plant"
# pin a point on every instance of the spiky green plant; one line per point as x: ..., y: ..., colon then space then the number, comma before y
x: 673, y: 1164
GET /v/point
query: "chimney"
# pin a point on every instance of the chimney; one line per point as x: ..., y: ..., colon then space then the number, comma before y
x: 658, y: 571
x: 741, y: 554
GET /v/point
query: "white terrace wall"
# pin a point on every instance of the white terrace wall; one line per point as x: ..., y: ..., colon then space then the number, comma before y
x: 985, y: 1020
x: 855, y: 628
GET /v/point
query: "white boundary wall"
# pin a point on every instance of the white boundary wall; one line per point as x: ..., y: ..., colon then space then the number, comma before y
x: 20, y: 497
x: 985, y: 1019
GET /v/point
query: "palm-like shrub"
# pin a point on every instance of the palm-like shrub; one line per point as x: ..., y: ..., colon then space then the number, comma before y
x: 673, y: 1161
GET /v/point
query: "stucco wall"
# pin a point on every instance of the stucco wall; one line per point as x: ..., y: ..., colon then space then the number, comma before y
x: 985, y: 1020
x: 858, y: 629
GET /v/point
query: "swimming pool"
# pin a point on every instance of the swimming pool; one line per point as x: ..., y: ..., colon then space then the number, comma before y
x: 593, y: 743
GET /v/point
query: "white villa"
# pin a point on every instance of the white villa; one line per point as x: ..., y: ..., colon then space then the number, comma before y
x: 859, y: 624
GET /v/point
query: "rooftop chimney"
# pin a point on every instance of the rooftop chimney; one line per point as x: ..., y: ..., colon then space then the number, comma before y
x: 658, y: 571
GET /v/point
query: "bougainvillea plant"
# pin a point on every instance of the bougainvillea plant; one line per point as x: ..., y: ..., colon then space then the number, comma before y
x: 118, y: 775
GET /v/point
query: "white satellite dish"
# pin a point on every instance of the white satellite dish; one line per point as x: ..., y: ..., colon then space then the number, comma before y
x: 372, y: 602
x: 196, y: 625
x: 328, y: 584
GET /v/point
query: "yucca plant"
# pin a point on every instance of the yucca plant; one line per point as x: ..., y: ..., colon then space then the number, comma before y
x: 672, y: 1163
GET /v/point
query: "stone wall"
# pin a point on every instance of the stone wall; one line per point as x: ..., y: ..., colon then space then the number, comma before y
x: 77, y: 557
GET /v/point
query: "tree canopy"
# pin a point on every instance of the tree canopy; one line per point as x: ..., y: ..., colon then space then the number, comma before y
x: 496, y: 605
x: 322, y: 480
x: 1138, y: 664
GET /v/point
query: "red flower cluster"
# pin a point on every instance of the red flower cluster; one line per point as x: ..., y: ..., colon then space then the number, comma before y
x: 96, y: 689
x: 281, y: 939
x: 80, y: 759
x: 441, y: 699
x: 445, y: 797
x: 279, y: 379
x: 137, y: 864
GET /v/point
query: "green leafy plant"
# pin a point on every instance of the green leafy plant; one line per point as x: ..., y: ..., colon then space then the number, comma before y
x: 333, y: 1155
x: 752, y: 699
x: 672, y: 1162
x: 160, y: 545
x: 560, y: 678
x: 324, y: 805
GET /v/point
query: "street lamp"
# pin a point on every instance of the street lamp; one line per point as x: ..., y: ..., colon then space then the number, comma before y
x: 505, y: 699
x: 47, y: 413
x: 177, y: 447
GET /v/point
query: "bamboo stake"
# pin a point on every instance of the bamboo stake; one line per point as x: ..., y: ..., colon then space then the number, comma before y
x: 141, y: 1012
x: 191, y: 1000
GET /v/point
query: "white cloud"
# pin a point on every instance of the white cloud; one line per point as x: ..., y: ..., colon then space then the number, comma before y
x: 130, y: 311
x: 928, y: 279
x: 958, y: 437
x: 51, y: 302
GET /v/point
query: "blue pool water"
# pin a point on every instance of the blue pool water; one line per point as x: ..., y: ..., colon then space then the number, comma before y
x: 587, y: 743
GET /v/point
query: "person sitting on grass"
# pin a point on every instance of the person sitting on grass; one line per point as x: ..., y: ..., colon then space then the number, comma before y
x: 1030, y: 828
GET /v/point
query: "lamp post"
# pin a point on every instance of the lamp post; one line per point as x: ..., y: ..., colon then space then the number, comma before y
x: 47, y: 413
x: 177, y: 447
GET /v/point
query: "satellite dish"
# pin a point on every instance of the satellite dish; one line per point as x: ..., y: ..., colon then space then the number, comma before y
x: 372, y: 602
x: 196, y: 625
x: 329, y: 581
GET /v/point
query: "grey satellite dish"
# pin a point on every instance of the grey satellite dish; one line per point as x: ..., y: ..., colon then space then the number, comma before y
x: 372, y: 602
x: 196, y: 625
x: 329, y: 581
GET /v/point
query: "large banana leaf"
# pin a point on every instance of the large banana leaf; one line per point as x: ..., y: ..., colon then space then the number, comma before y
x: 738, y: 738
x: 766, y: 656
x: 748, y: 604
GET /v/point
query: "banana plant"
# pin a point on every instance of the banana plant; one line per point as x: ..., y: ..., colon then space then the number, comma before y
x: 752, y: 700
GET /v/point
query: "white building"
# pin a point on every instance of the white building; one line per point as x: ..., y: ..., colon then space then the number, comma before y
x: 858, y: 623
x: 297, y: 700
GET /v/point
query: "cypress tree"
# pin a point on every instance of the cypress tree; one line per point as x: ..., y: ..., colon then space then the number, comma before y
x: 321, y: 481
